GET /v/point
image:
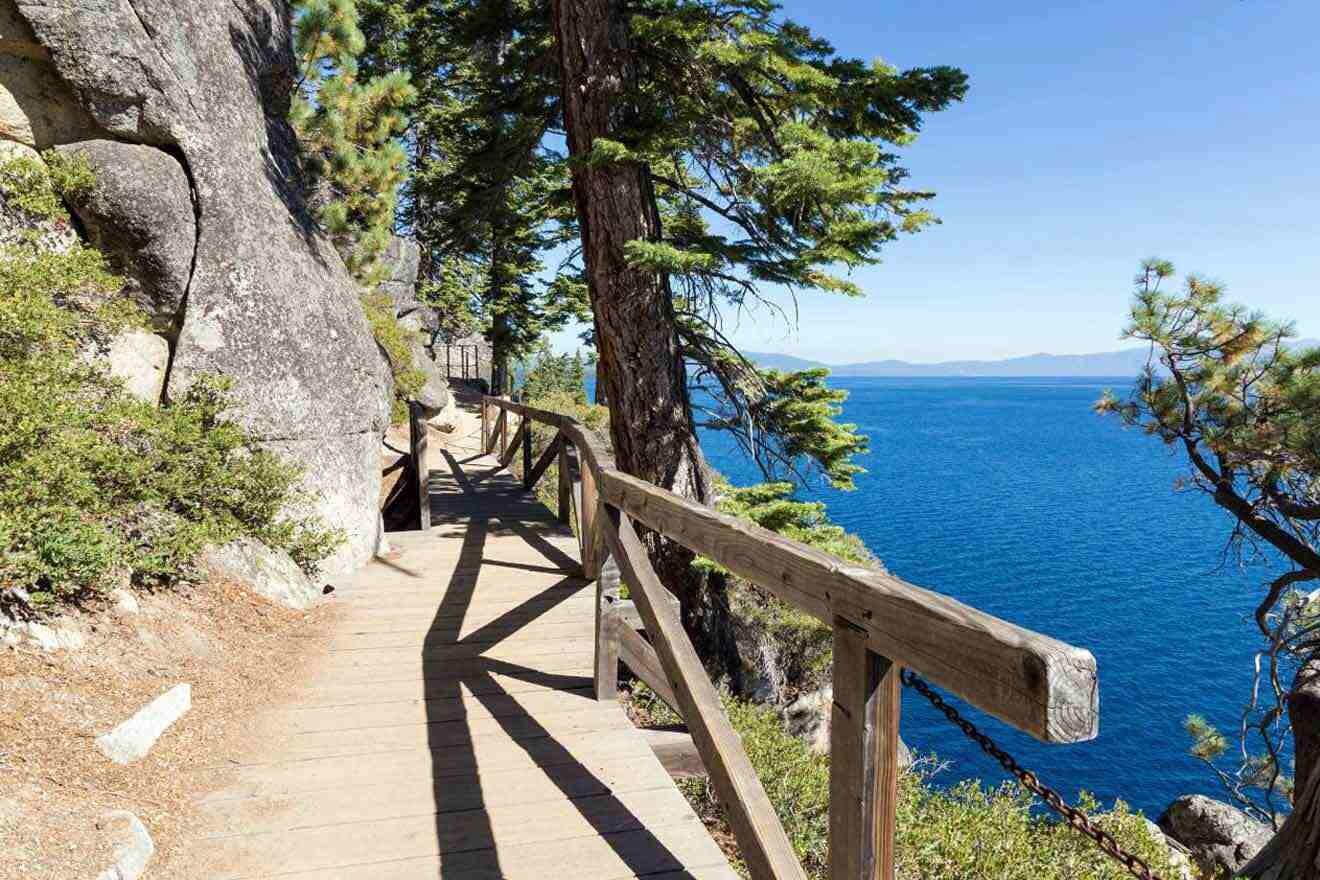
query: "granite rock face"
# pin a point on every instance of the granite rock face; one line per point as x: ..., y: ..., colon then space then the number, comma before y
x: 401, y: 260
x: 36, y: 107
x: 1219, y: 837
x: 268, y: 302
x: 140, y: 215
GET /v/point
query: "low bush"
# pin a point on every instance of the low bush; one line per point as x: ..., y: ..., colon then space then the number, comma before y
x: 96, y: 486
x: 966, y: 832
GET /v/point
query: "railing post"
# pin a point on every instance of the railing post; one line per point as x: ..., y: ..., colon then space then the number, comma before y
x: 587, y: 524
x: 565, y: 481
x: 417, y: 447
x: 863, y: 758
x: 485, y: 424
x: 504, y: 433
x: 527, y: 453
x: 607, y: 642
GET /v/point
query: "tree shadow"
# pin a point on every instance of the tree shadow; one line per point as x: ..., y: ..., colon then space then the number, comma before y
x: 468, y: 843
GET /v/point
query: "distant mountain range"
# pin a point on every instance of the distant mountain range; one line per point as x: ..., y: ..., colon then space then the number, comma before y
x: 1127, y: 362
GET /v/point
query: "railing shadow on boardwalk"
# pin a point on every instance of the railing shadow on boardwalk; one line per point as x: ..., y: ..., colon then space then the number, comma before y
x: 467, y: 842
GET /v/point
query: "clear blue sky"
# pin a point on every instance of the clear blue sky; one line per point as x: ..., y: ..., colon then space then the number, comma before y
x: 1093, y: 134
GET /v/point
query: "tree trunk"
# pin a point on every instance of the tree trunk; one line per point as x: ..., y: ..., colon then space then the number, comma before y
x: 499, y: 324
x: 600, y: 399
x: 1294, y: 853
x: 640, y: 364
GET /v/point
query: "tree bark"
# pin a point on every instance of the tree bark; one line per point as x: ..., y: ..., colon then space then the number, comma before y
x: 1294, y: 853
x: 499, y: 324
x: 640, y: 363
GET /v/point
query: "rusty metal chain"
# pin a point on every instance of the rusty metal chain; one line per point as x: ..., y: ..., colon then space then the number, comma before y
x: 1076, y: 819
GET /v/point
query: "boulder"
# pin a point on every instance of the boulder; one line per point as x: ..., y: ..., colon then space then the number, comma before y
x: 131, y: 740
x: 269, y: 303
x: 1217, y: 836
x: 36, y: 106
x: 125, y: 602
x: 140, y: 215
x: 270, y: 573
x: 447, y: 419
x: 138, y: 358
x: 133, y: 846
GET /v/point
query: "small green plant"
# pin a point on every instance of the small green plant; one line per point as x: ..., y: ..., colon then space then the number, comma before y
x: 37, y: 186
x: 96, y: 486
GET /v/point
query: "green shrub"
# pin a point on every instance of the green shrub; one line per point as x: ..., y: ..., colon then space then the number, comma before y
x: 97, y: 486
x: 37, y: 186
x: 569, y: 403
x: 801, y: 644
x: 396, y: 341
x: 967, y: 832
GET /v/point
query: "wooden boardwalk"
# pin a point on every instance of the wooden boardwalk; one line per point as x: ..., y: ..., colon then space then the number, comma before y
x: 452, y: 732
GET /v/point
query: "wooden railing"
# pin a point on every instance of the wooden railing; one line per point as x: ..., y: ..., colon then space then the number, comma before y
x: 880, y: 624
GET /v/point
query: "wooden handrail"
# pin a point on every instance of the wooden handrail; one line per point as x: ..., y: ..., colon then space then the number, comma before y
x: 881, y: 623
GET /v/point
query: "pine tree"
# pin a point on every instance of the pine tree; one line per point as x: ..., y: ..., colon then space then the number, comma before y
x: 486, y: 197
x: 349, y: 126
x: 716, y: 150
x: 1225, y: 389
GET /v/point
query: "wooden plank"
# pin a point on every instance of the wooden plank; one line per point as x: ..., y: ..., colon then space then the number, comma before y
x: 1033, y: 682
x: 638, y: 655
x: 626, y: 613
x: 495, y: 432
x: 504, y: 435
x: 527, y: 455
x: 533, y: 474
x: 565, y: 484
x: 589, y: 512
x: 761, y: 838
x: 519, y: 791
x: 525, y: 848
x: 520, y: 437
x: 863, y: 759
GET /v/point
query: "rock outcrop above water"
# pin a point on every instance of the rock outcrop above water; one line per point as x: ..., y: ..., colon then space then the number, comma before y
x: 268, y: 301
x: 1218, y: 837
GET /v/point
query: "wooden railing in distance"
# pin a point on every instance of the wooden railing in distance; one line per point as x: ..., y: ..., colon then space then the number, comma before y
x: 880, y: 624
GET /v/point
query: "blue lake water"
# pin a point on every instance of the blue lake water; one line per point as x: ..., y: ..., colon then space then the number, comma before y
x: 1012, y: 496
